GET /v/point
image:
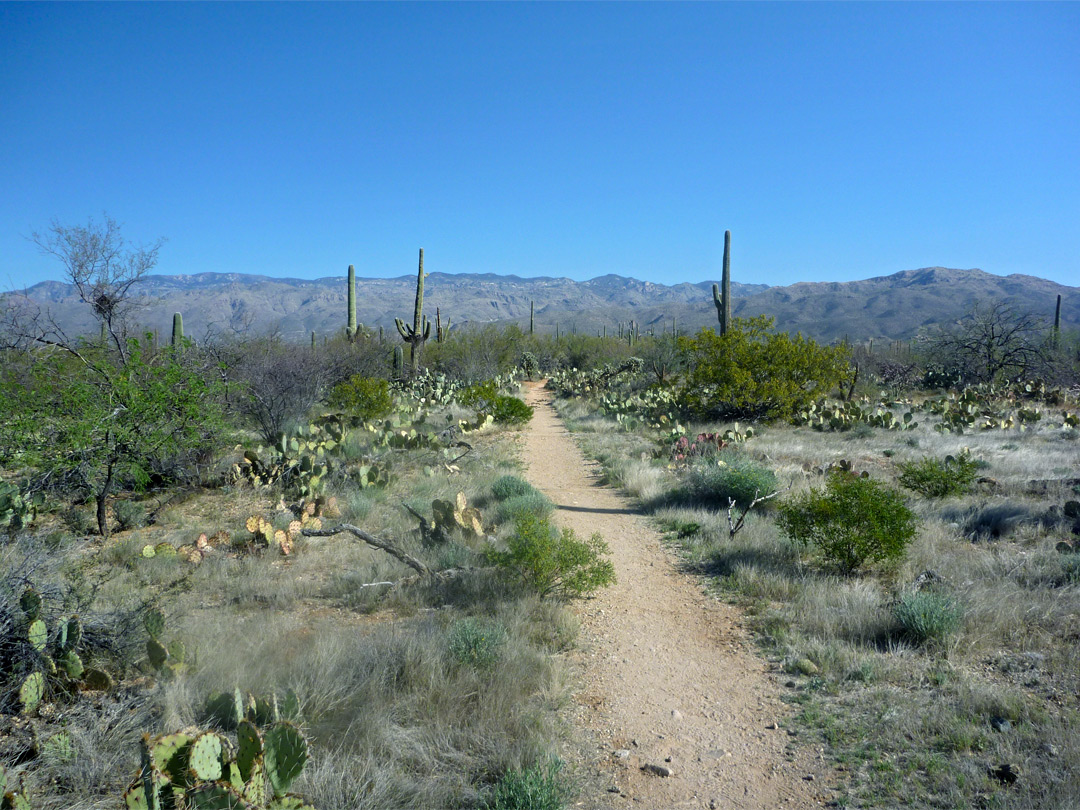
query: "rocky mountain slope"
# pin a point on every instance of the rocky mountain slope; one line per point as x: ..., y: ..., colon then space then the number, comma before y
x: 883, y: 308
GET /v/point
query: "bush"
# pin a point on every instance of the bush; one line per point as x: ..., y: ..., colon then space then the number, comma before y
x: 754, y: 372
x: 510, y: 411
x: 532, y: 504
x: 731, y: 476
x: 536, y: 788
x: 509, y: 486
x: 555, y: 562
x: 476, y: 643
x: 923, y: 616
x: 366, y: 397
x: 852, y: 521
x: 953, y: 475
x: 129, y: 515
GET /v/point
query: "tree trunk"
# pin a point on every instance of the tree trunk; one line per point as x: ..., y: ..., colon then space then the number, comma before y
x: 102, y: 498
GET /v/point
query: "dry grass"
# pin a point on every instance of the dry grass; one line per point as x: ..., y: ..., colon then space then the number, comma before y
x: 912, y: 725
x: 395, y: 719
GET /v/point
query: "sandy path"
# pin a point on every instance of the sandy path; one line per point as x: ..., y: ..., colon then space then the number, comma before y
x: 669, y: 680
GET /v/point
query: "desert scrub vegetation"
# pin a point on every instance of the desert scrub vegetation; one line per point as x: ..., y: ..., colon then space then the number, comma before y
x: 940, y: 670
x: 418, y: 669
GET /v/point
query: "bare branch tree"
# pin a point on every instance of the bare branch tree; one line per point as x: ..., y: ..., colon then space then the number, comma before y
x: 103, y: 267
x: 990, y: 343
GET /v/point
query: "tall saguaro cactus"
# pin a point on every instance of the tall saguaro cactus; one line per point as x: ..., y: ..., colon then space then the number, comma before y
x: 531, y: 312
x: 722, y: 294
x: 417, y: 334
x: 350, y: 329
x: 177, y: 329
x: 1057, y: 322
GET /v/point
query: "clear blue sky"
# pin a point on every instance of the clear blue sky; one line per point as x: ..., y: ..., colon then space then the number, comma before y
x: 835, y: 141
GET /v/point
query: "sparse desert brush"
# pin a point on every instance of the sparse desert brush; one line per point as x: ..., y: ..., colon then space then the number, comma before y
x: 531, y: 504
x: 509, y: 486
x: 927, y: 615
x: 731, y: 476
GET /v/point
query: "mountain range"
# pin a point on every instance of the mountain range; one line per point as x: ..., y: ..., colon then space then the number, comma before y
x: 889, y: 307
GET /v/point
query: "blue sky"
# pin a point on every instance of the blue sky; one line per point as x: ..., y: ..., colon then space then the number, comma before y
x: 835, y: 141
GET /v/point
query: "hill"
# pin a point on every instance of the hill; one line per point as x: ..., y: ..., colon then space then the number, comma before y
x: 883, y: 308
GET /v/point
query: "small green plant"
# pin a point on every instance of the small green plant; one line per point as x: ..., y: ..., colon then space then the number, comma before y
x: 939, y: 478
x: 509, y: 486
x: 510, y: 411
x: 731, y: 476
x: 926, y: 616
x: 366, y: 397
x: 532, y: 504
x: 554, y: 562
x: 476, y: 643
x: 851, y: 521
x: 536, y: 788
x: 129, y: 515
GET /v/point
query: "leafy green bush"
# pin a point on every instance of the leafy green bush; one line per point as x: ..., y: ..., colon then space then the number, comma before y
x: 476, y: 643
x: 923, y: 616
x: 754, y: 372
x: 510, y: 485
x: 730, y: 476
x: 938, y: 478
x: 510, y: 411
x: 554, y: 562
x: 536, y: 788
x: 852, y: 520
x: 367, y: 397
x: 532, y: 504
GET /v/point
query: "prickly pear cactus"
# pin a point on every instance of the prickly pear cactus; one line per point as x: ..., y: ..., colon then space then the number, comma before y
x: 285, y: 756
x: 207, y: 771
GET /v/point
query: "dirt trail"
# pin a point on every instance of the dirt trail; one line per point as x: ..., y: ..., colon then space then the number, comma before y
x: 669, y: 680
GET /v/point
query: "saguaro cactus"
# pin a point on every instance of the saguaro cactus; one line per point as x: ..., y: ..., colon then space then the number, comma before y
x: 532, y: 324
x: 722, y: 295
x: 441, y: 330
x: 350, y: 329
x: 1057, y: 321
x: 417, y: 334
x: 177, y: 329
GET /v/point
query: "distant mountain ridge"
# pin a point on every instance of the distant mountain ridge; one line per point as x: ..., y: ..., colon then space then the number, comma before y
x: 883, y: 308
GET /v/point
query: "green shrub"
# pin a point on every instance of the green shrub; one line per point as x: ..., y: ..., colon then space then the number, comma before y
x: 731, y: 476
x: 532, y: 504
x: 851, y: 521
x: 366, y: 397
x: 934, y: 478
x: 754, y: 372
x: 923, y: 616
x: 129, y: 515
x: 536, y: 788
x: 476, y: 643
x: 554, y: 562
x: 510, y: 411
x: 510, y: 485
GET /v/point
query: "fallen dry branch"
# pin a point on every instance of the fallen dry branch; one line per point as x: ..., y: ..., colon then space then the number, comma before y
x: 422, y: 571
x: 372, y: 540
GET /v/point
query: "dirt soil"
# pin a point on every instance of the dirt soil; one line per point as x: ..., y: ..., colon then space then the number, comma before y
x: 676, y: 709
